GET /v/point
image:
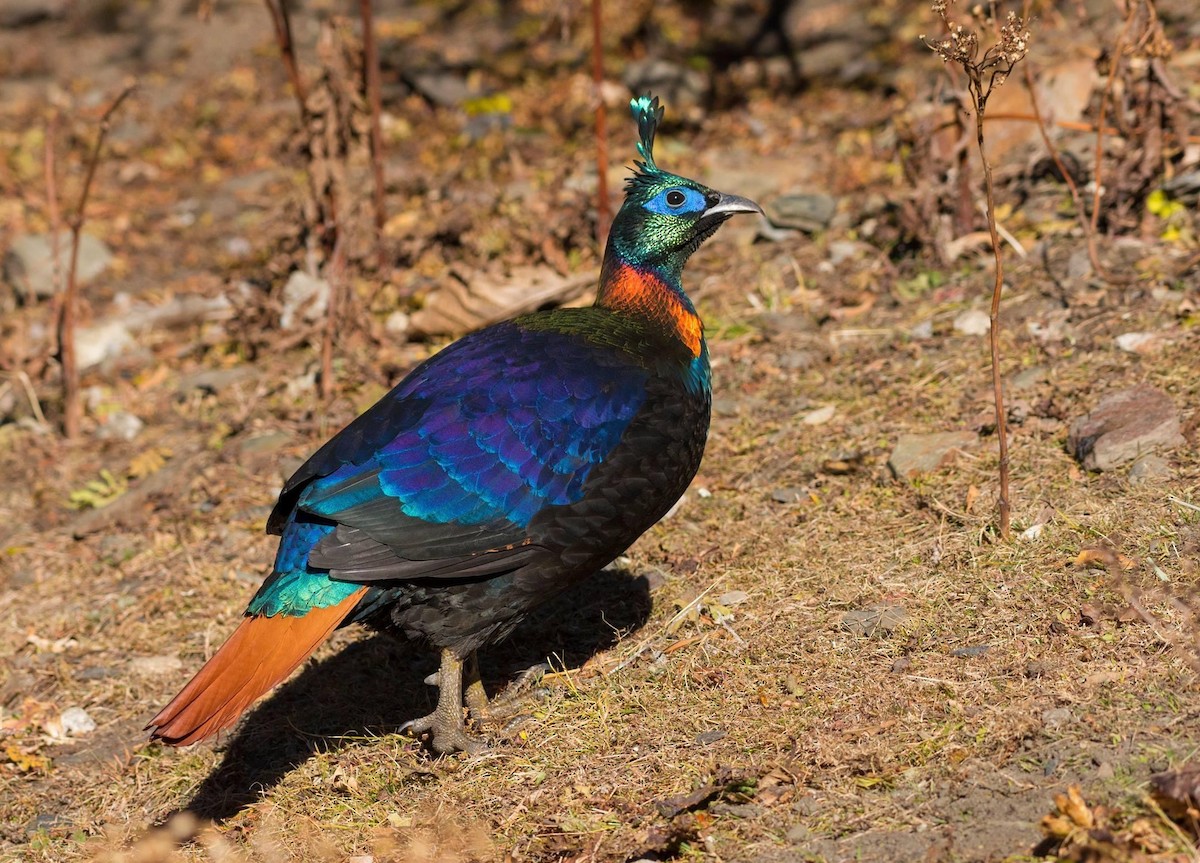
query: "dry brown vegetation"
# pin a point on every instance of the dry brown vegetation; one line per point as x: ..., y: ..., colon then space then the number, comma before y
x: 810, y: 659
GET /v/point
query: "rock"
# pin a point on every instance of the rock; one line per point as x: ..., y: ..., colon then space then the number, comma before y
x: 304, y: 298
x: 973, y: 322
x: 819, y: 416
x: 76, y: 722
x: 874, y: 620
x: 120, y: 425
x: 804, y: 212
x: 1123, y: 426
x: 923, y: 330
x: 397, y: 323
x: 683, y: 88
x: 1148, y: 468
x: 100, y: 342
x: 214, y: 381
x: 971, y: 651
x: 789, y: 494
x: 1029, y: 378
x: 443, y: 88
x: 28, y: 264
x: 23, y: 13
x: 151, y: 666
x: 922, y: 453
x: 1139, y: 343
x: 1055, y: 717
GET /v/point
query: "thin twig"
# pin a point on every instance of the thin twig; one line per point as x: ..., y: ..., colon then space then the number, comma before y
x: 72, y: 415
x: 375, y: 101
x: 1080, y: 213
x: 1098, y: 168
x: 52, y: 211
x: 336, y: 276
x: 287, y: 50
x: 603, y: 208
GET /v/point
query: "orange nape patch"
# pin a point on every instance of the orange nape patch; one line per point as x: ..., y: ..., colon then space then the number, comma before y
x: 632, y: 289
x: 261, y: 652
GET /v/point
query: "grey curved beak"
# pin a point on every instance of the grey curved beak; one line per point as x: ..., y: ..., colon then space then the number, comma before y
x: 731, y: 205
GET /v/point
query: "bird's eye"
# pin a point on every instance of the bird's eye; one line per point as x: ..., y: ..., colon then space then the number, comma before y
x: 675, y: 198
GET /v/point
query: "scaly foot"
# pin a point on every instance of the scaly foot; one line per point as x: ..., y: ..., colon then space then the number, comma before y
x: 507, y: 706
x: 447, y: 732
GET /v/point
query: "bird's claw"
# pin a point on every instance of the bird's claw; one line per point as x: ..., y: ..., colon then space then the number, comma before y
x: 444, y: 737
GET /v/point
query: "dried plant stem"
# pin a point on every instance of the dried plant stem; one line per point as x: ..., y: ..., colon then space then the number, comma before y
x: 1118, y: 51
x: 603, y: 208
x: 336, y: 276
x: 1004, y: 504
x: 287, y: 50
x: 72, y: 414
x: 1088, y: 232
x: 53, y: 213
x: 375, y: 101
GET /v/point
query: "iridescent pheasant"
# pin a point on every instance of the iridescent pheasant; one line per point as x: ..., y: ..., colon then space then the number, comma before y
x: 512, y: 465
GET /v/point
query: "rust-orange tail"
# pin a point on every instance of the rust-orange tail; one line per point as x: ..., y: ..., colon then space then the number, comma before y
x: 261, y: 652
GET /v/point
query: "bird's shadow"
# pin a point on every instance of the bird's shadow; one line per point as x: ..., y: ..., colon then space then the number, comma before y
x: 373, y: 686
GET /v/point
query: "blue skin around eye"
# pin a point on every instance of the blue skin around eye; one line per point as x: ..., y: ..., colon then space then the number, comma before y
x: 693, y: 202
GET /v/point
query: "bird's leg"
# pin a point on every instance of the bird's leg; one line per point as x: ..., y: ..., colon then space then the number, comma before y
x: 508, y: 704
x: 445, y: 724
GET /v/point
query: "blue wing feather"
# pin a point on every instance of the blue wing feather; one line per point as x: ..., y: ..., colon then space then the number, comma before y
x: 455, y: 461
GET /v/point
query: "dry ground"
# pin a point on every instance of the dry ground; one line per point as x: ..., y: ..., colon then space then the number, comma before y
x: 707, y: 700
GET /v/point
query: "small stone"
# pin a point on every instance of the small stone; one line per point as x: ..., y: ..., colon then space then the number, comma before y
x: 844, y: 250
x: 1055, y: 717
x: 397, y: 323
x: 921, y: 453
x: 441, y: 87
x: 971, y: 651
x: 973, y: 322
x: 804, y: 212
x: 28, y: 265
x: 24, y: 13
x: 683, y: 88
x: 1029, y: 378
x: 820, y: 416
x: 1149, y: 468
x: 215, y: 380
x: 120, y: 425
x: 101, y: 342
x: 1123, y: 426
x: 789, y: 494
x: 238, y: 247
x: 304, y: 298
x: 733, y: 597
x: 1104, y: 770
x: 874, y: 620
x: 155, y: 665
x: 1139, y: 343
x: 923, y: 330
x: 76, y: 722
x: 797, y: 833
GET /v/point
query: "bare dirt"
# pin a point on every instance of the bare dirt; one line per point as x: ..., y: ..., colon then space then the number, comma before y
x: 810, y: 659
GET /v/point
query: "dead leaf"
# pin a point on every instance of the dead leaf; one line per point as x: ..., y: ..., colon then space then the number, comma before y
x: 1109, y: 558
x: 1178, y: 792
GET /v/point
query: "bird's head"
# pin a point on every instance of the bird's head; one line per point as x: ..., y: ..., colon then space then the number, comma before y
x: 666, y: 217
